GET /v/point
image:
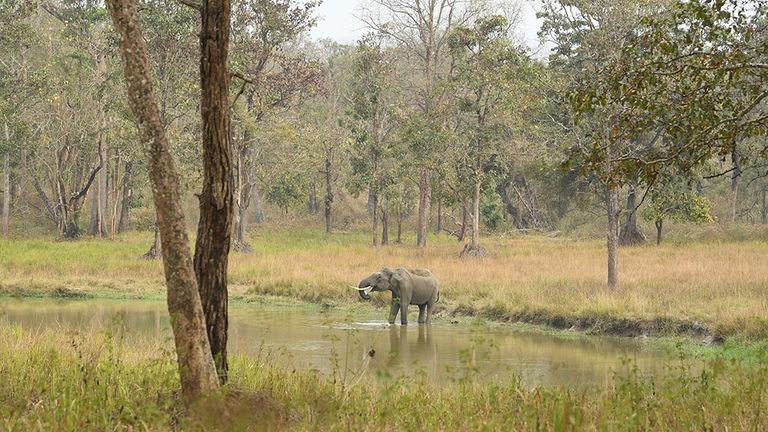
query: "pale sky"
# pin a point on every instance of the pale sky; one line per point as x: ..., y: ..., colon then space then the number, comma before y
x: 337, y: 21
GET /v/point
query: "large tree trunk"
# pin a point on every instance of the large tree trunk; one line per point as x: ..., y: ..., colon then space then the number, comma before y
x: 630, y: 233
x: 125, y: 208
x: 196, y: 367
x: 612, y: 201
x: 217, y: 197
x: 6, y: 191
x: 423, y: 219
x: 328, y: 201
x: 735, y: 176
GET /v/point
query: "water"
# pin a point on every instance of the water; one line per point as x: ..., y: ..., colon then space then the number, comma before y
x: 328, y: 341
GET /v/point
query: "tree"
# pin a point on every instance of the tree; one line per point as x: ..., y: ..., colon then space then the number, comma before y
x: 695, y: 76
x: 196, y: 366
x: 674, y: 200
x: 274, y: 77
x: 370, y: 122
x: 420, y: 29
x: 214, y: 230
x: 489, y: 79
x: 587, y: 35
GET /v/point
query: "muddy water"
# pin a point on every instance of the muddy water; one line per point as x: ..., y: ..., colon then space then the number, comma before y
x: 327, y: 341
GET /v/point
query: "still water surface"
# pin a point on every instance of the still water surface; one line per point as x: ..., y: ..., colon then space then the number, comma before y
x: 327, y: 341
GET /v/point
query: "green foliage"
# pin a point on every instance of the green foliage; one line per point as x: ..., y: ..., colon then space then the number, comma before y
x: 677, y: 202
x: 692, y: 77
x: 492, y: 210
x: 286, y: 190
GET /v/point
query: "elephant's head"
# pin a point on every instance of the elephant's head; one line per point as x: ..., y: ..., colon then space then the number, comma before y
x: 384, y: 280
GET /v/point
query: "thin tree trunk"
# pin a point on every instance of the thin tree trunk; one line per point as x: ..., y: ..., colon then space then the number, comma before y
x: 99, y: 203
x: 6, y: 191
x: 439, y: 227
x: 735, y: 176
x: 258, y: 207
x: 399, y: 226
x: 384, y: 226
x: 156, y: 251
x: 243, y: 195
x: 763, y: 207
x: 125, y: 208
x: 476, y: 214
x: 659, y: 226
x: 375, y: 220
x: 612, y: 199
x: 214, y: 230
x: 328, y: 201
x: 464, y: 222
x: 196, y: 367
x: 423, y: 218
x: 630, y: 233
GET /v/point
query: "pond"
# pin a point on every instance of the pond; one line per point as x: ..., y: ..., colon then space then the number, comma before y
x: 330, y: 340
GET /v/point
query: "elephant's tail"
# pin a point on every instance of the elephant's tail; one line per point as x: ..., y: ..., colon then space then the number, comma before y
x: 438, y: 297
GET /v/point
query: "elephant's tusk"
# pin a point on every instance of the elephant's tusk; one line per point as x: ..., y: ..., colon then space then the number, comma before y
x: 367, y: 290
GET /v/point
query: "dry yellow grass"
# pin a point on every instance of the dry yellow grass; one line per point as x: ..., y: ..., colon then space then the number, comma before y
x: 723, y: 286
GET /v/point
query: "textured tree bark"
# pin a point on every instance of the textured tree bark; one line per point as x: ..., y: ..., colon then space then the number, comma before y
x: 421, y: 224
x: 214, y: 230
x: 612, y: 200
x: 124, y: 223
x: 328, y: 201
x: 196, y: 368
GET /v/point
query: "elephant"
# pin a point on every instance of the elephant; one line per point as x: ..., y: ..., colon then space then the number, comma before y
x: 409, y: 287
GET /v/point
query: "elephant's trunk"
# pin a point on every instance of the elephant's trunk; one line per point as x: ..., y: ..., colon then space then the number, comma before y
x: 364, y: 294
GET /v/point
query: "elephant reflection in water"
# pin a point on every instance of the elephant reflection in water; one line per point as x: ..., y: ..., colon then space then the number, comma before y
x: 407, y: 357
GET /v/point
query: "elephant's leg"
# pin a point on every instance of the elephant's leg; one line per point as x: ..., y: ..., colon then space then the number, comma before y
x: 422, y: 313
x: 394, y: 308
x: 430, y: 308
x: 404, y: 302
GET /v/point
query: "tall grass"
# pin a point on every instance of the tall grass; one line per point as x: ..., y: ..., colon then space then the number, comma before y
x: 100, y: 381
x: 717, y: 286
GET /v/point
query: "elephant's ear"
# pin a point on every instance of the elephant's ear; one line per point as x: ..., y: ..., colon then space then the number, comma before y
x: 396, y: 281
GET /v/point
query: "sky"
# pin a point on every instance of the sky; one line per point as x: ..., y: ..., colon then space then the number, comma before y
x: 337, y: 20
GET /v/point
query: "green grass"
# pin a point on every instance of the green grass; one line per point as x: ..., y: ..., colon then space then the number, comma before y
x: 699, y: 288
x: 102, y: 381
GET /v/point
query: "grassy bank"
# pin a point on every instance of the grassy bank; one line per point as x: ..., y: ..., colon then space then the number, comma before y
x: 704, y: 289
x: 100, y: 381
